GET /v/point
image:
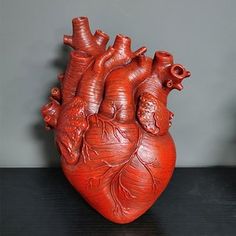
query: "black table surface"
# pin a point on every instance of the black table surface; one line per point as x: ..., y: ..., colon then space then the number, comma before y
x: 198, y: 201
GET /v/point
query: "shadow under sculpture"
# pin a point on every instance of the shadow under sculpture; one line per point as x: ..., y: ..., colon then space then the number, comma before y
x: 111, y: 122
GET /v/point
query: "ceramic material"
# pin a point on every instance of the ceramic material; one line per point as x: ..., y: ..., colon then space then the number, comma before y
x: 111, y: 122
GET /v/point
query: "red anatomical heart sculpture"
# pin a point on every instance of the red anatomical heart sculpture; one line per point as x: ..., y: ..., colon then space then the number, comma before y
x: 111, y: 122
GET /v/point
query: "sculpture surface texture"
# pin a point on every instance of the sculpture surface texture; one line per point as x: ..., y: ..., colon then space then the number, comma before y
x: 111, y: 122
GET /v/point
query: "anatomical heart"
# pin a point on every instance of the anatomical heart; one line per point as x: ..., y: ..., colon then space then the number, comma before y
x: 111, y: 122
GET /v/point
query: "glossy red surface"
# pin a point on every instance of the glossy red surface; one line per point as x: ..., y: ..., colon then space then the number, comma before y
x: 111, y: 122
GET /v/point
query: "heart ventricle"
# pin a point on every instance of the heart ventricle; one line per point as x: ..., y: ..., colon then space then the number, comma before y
x: 121, y: 168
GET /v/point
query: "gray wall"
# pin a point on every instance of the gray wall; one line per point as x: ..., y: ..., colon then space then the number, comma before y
x: 200, y: 34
